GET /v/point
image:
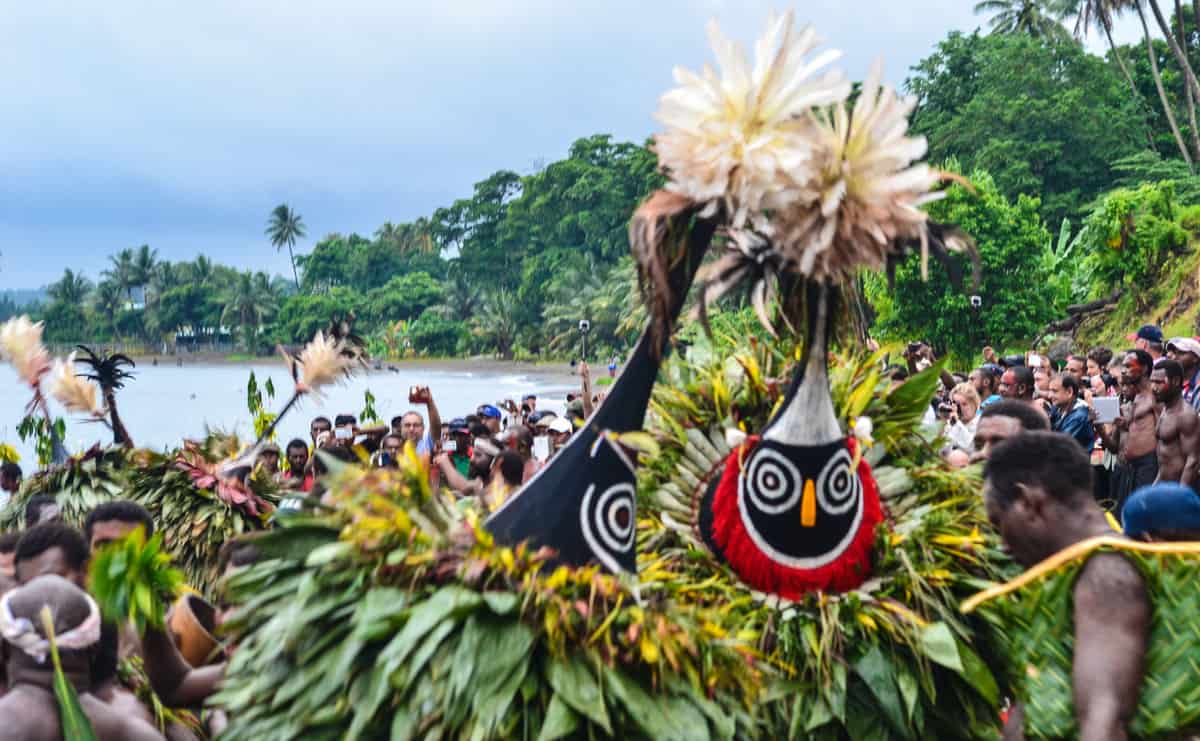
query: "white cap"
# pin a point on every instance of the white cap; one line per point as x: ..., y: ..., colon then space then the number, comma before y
x: 559, y: 425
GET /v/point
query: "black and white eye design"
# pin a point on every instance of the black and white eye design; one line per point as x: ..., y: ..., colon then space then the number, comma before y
x: 774, y: 483
x: 838, y: 487
x: 608, y: 521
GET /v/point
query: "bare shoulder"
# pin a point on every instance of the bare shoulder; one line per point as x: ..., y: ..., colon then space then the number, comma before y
x: 26, y: 717
x: 1109, y: 584
x: 110, y: 723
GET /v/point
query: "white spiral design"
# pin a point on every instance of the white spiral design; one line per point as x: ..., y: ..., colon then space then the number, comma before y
x: 600, y: 520
x: 838, y: 487
x: 774, y: 483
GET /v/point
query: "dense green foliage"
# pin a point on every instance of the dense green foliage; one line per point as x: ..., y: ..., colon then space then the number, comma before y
x: 1058, y: 141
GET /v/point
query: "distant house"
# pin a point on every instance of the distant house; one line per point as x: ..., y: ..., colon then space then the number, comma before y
x: 137, y: 299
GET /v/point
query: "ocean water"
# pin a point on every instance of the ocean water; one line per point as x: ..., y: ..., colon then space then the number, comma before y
x: 165, y: 404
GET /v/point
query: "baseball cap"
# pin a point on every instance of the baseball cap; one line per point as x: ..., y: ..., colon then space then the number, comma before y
x: 575, y: 407
x: 487, y: 410
x: 542, y: 418
x: 1185, y: 344
x: 459, y: 425
x: 1148, y: 332
x: 992, y: 368
x: 527, y: 397
x: 559, y: 425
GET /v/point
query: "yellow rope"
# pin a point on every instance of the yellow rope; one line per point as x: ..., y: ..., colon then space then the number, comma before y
x: 1075, y: 552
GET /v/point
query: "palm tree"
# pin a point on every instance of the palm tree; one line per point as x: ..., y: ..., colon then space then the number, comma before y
x: 1168, y: 109
x: 122, y: 272
x: 108, y: 371
x: 496, y: 322
x: 201, y: 270
x: 248, y: 303
x: 461, y: 299
x: 71, y: 288
x: 1036, y: 18
x: 1177, y: 50
x: 284, y: 227
x: 144, y: 262
x: 108, y: 300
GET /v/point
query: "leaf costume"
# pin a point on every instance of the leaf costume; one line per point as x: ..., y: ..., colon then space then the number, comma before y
x: 1032, y: 619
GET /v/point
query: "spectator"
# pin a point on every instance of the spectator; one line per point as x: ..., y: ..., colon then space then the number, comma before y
x: 559, y: 431
x: 1017, y: 383
x: 343, y: 429
x: 390, y: 451
x: 10, y: 481
x: 52, y: 548
x: 1004, y: 420
x: 575, y: 413
x: 411, y: 425
x: 1186, y: 352
x: 298, y: 473
x: 510, y: 467
x: 1076, y: 365
x: 1148, y: 338
x: 1098, y: 359
x: 8, y: 554
x: 459, y: 445
x: 986, y: 379
x: 1069, y: 414
x: 519, y: 439
x: 964, y: 417
x: 1178, y: 431
x: 40, y: 509
x: 1041, y: 383
x: 491, y: 417
x: 1132, y: 436
x: 483, y: 457
x: 111, y: 521
x: 268, y: 458
x: 319, y: 425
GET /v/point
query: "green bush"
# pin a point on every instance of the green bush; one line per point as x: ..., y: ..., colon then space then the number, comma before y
x: 432, y: 334
x: 1132, y: 231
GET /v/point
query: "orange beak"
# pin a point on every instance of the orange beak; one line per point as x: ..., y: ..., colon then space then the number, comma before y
x: 808, y: 504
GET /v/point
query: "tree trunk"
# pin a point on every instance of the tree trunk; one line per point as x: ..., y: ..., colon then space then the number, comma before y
x: 295, y: 275
x: 1180, y: 59
x: 1137, y: 96
x: 120, y: 434
x: 1190, y: 97
x: 1162, y: 94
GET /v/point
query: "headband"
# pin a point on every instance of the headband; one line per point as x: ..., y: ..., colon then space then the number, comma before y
x: 22, y: 633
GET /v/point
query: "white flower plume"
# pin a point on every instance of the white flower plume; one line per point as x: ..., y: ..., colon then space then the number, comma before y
x: 744, y: 139
x: 75, y: 393
x: 322, y: 363
x: 21, y: 345
x: 866, y: 190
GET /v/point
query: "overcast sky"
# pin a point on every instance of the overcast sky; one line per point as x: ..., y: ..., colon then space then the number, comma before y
x: 123, y: 123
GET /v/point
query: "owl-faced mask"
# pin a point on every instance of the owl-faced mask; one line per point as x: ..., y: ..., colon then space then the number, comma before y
x: 792, y: 511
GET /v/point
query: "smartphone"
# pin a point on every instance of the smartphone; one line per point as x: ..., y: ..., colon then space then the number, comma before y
x: 541, y: 448
x: 1107, y: 408
x: 450, y: 446
x: 414, y: 395
x: 343, y: 433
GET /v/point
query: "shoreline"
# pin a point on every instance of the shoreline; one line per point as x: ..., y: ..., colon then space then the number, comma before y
x: 557, y: 370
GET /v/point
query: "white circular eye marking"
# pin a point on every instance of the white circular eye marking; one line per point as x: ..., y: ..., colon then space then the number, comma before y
x: 838, y: 487
x: 774, y: 483
x: 600, y: 519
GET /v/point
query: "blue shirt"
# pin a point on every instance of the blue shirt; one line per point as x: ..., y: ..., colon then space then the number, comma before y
x: 990, y: 400
x: 1076, y: 423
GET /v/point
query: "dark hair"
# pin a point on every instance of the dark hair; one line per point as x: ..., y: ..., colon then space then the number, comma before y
x: 1101, y: 356
x: 512, y: 467
x: 1031, y: 419
x: 397, y: 420
x: 106, y: 656
x: 344, y: 419
x: 896, y: 372
x: 1022, y: 376
x: 1171, y: 368
x: 1155, y: 346
x: 479, y: 429
x: 1144, y: 359
x: 344, y: 455
x: 38, y: 539
x: 238, y: 552
x: 296, y: 443
x: 1051, y: 460
x: 1069, y: 382
x: 8, y: 541
x: 11, y: 470
x: 121, y: 510
x: 1110, y: 381
x: 320, y: 419
x: 472, y: 419
x: 34, y: 507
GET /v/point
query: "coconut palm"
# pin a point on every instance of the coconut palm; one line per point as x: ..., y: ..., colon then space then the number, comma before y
x: 461, y: 298
x: 108, y: 371
x: 1037, y: 18
x: 122, y: 272
x: 284, y: 227
x: 1176, y: 49
x: 496, y: 322
x: 144, y: 262
x: 248, y: 304
x: 201, y: 270
x: 108, y: 300
x: 71, y: 288
x: 1168, y: 109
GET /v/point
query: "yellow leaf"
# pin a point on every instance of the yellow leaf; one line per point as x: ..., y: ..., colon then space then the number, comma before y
x: 867, y: 621
x: 557, y: 579
x: 649, y: 651
x: 506, y: 558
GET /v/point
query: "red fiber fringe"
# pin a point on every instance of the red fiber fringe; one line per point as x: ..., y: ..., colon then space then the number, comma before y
x: 845, y: 573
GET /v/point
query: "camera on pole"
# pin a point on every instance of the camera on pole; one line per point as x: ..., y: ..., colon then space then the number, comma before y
x: 584, y: 327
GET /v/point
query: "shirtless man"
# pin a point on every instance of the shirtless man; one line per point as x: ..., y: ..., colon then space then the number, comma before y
x: 1038, y: 492
x: 1178, y: 449
x: 1134, y: 436
x: 29, y: 712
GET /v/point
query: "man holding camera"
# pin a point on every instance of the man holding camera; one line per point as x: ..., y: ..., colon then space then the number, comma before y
x: 410, y: 426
